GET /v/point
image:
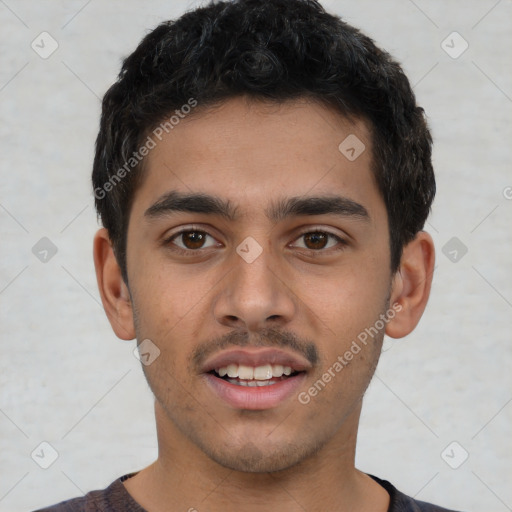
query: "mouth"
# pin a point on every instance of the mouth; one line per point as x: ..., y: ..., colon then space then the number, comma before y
x: 259, y: 376
x: 255, y: 379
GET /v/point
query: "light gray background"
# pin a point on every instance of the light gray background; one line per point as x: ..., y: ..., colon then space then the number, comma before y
x: 67, y: 380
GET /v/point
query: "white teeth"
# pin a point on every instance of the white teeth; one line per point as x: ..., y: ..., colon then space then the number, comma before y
x: 245, y: 372
x: 252, y: 383
x: 277, y: 369
x: 262, y: 383
x: 263, y: 372
x: 259, y: 373
x: 232, y: 370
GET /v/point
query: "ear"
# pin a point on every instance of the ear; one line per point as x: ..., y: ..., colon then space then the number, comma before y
x: 113, y: 290
x: 411, y: 285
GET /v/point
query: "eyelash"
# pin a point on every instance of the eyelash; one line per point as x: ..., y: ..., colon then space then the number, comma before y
x: 192, y: 252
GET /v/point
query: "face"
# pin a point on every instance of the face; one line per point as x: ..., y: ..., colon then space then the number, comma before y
x: 270, y: 273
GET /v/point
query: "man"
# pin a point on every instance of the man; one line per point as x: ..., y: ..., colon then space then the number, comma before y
x: 263, y: 175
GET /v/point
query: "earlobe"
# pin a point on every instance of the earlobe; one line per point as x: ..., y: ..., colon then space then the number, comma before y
x: 411, y: 285
x: 114, y: 293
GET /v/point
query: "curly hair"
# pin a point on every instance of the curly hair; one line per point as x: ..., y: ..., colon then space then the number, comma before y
x: 274, y: 50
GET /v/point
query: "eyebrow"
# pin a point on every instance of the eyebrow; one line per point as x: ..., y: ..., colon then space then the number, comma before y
x: 293, y: 206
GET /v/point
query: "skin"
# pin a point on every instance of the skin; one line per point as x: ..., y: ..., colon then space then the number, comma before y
x: 297, y: 456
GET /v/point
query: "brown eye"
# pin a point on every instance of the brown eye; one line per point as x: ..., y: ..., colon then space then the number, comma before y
x: 191, y: 240
x: 315, y: 240
x: 318, y: 240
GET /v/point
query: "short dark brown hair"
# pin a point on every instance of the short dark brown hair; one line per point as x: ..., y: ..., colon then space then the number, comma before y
x: 274, y: 50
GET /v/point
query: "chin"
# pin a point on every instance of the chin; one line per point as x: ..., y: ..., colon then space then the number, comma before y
x: 251, y: 458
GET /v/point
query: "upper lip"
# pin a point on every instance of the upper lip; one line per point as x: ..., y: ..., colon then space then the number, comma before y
x: 256, y: 357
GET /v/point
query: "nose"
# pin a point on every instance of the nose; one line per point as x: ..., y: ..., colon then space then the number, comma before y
x: 255, y: 295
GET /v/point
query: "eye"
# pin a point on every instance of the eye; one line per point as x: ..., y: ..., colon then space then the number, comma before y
x: 193, y: 240
x: 318, y: 240
x: 190, y: 240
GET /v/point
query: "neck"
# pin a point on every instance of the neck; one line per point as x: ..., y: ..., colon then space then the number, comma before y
x: 184, y: 478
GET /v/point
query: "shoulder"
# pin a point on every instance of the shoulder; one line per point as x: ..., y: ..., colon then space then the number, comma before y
x: 91, y: 502
x: 114, y: 498
x: 399, y: 502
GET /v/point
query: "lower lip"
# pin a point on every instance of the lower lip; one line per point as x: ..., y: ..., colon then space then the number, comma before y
x: 255, y: 398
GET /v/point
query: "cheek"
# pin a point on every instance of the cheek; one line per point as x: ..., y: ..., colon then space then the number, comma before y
x: 166, y: 295
x: 347, y: 299
x: 171, y: 309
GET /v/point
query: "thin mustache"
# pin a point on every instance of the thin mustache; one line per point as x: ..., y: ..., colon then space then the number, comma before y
x: 269, y: 337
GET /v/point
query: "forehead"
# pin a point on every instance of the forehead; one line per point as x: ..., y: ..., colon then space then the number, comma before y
x: 252, y: 153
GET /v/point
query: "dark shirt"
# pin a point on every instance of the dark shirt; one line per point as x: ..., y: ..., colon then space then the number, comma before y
x: 115, y: 498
